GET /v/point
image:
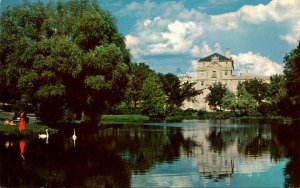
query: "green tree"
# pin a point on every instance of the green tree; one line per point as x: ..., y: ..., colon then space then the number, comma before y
x: 153, y: 97
x: 292, y: 74
x: 215, y: 97
x: 276, y: 94
x: 242, y: 104
x: 229, y: 101
x: 256, y: 87
x: 65, y: 56
x: 138, y: 74
x: 176, y: 91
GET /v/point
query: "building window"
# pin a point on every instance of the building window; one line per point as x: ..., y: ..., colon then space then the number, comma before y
x: 202, y: 83
x: 226, y: 73
x: 214, y: 74
x: 202, y: 73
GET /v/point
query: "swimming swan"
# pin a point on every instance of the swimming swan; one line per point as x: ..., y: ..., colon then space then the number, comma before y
x: 74, y: 138
x: 74, y: 135
x: 43, y: 136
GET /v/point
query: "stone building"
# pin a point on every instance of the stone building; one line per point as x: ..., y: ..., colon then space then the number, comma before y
x: 212, y: 69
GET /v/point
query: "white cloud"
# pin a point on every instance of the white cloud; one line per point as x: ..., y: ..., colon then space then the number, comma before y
x: 132, y: 43
x: 276, y: 10
x: 178, y: 38
x: 225, y: 22
x: 159, y: 36
x: 292, y: 37
x: 141, y: 9
x: 169, y: 28
x: 254, y: 63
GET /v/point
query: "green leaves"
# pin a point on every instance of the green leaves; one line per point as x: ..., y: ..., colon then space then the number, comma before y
x: 154, y: 100
x: 69, y: 50
x: 27, y: 80
x: 256, y: 87
x: 242, y: 104
x: 96, y: 83
x: 217, y: 91
x: 47, y: 91
x: 292, y: 74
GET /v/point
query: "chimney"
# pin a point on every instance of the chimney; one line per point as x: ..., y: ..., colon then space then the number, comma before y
x: 227, y: 53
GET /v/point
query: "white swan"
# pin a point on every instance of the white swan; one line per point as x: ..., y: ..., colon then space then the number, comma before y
x: 74, y: 137
x: 43, y: 136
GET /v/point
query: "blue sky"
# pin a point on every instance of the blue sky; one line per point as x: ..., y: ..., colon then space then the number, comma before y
x: 171, y: 36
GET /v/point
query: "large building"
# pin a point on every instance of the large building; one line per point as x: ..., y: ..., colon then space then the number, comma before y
x: 212, y: 69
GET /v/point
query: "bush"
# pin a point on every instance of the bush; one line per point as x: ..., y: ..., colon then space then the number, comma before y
x: 267, y: 109
x: 174, y: 118
x: 214, y: 115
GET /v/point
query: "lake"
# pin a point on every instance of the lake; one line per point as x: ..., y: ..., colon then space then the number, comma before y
x: 199, y: 153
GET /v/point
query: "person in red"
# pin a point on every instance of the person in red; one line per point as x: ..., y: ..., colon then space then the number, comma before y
x: 22, y: 122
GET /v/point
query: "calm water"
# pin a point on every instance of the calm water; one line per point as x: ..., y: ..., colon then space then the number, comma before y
x: 188, y: 154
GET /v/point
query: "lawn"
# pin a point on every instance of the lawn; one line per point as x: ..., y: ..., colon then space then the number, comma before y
x: 34, y: 127
x: 123, y: 119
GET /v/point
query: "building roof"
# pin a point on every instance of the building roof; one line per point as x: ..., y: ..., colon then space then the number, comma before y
x: 209, y: 58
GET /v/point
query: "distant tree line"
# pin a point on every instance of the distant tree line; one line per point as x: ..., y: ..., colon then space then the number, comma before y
x: 67, y: 60
x: 155, y: 94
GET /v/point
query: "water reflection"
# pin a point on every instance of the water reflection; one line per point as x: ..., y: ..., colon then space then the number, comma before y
x: 189, y: 154
x: 22, y: 144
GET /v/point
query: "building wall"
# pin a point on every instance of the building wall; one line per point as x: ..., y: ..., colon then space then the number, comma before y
x: 212, y: 69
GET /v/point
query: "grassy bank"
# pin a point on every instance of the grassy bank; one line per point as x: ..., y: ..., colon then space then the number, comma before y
x: 123, y: 119
x: 34, y: 127
x: 31, y: 130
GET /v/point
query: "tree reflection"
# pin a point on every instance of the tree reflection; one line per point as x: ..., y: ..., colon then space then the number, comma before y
x: 107, y: 157
x: 102, y: 158
x: 289, y: 136
x: 219, y: 138
x: 278, y: 141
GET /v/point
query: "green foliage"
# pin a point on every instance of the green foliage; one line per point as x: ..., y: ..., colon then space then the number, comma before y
x: 242, y: 104
x: 31, y: 129
x: 255, y: 87
x: 215, y: 97
x: 246, y: 104
x: 153, y: 98
x: 171, y: 87
x: 229, y: 101
x: 267, y: 109
x: 138, y: 74
x: 214, y: 115
x: 96, y: 83
x: 69, y: 53
x: 128, y: 118
x: 276, y: 94
x: 177, y: 92
x: 292, y: 74
x: 174, y: 114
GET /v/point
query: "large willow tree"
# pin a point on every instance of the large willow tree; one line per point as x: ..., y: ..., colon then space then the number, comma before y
x: 66, y: 57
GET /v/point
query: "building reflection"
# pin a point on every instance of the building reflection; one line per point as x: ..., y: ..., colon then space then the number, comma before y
x: 223, y: 151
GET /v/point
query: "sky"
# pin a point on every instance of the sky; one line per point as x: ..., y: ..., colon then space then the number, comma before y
x: 171, y: 36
